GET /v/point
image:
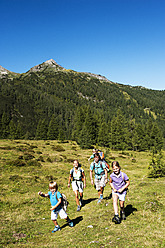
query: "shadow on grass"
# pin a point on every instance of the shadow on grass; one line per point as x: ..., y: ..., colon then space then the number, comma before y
x: 129, y: 210
x: 87, y: 201
x: 108, y: 197
x: 75, y: 221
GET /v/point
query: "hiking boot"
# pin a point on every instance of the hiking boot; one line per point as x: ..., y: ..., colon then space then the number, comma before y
x: 78, y: 208
x: 57, y: 228
x: 71, y: 223
x: 123, y: 217
x: 116, y: 219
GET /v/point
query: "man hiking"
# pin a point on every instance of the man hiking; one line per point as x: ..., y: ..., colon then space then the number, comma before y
x: 100, y: 171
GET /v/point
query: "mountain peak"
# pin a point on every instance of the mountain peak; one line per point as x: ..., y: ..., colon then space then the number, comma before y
x: 47, y: 64
x: 5, y: 73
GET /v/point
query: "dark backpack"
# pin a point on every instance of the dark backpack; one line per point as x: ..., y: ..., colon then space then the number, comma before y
x: 64, y: 201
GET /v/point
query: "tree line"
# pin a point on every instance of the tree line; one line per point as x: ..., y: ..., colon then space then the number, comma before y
x: 89, y: 128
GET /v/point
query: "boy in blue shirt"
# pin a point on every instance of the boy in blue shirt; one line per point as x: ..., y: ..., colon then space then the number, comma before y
x: 55, y: 200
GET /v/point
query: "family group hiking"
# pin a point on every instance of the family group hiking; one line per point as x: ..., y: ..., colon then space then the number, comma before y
x: 99, y: 168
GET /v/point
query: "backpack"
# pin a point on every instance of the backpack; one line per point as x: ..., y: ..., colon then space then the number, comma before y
x: 64, y: 201
x: 107, y: 165
x: 101, y: 155
x: 81, y: 179
x: 103, y: 160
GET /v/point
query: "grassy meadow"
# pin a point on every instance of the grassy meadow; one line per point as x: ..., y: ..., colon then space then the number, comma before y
x: 27, y: 167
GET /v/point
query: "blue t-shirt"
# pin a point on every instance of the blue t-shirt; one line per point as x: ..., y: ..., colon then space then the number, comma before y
x: 98, y: 168
x: 53, y: 199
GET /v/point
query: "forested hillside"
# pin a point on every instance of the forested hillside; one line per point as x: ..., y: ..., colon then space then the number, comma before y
x: 50, y: 102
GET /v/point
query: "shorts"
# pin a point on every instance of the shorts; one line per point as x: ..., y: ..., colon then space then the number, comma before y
x: 100, y: 182
x: 77, y: 186
x: 121, y: 196
x: 61, y: 212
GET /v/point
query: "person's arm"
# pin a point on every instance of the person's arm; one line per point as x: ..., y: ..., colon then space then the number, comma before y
x: 58, y: 203
x: 84, y: 179
x: 42, y: 194
x: 70, y: 177
x: 124, y: 187
x: 92, y: 156
x: 111, y: 184
x: 106, y: 175
x: 91, y: 176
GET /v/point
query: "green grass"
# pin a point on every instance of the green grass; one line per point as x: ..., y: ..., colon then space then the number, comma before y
x: 27, y: 166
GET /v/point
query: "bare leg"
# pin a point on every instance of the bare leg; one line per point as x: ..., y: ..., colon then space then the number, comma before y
x: 81, y: 195
x: 100, y: 191
x: 115, y: 201
x: 76, y: 196
x: 55, y: 222
x: 122, y: 205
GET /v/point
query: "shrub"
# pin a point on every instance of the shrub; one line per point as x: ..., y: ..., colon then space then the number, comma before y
x: 41, y: 159
x: 133, y: 160
x: 17, y: 163
x: 34, y: 163
x: 33, y: 146
x: 38, y: 152
x: 49, y: 160
x: 156, y: 166
x: 28, y: 156
x: 58, y: 148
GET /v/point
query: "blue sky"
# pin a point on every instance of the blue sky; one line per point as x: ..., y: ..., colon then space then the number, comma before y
x: 123, y: 40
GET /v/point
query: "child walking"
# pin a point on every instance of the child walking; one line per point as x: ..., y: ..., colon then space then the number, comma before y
x: 55, y: 200
x: 119, y: 183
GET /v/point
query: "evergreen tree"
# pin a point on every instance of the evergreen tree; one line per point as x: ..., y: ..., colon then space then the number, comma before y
x: 20, y: 132
x: 61, y: 134
x: 42, y: 128
x: 5, y: 125
x: 157, y: 166
x: 129, y: 134
x: 53, y: 128
x: 118, y: 130
x: 156, y: 138
x: 79, y: 119
x: 141, y: 144
x: 135, y: 140
x: 149, y: 127
x: 103, y: 135
x: 12, y: 130
x: 88, y: 135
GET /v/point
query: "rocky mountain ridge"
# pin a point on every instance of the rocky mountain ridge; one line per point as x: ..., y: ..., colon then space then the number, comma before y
x: 49, y: 65
x: 6, y: 73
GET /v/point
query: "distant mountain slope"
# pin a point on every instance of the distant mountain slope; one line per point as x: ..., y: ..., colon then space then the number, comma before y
x: 49, y: 88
